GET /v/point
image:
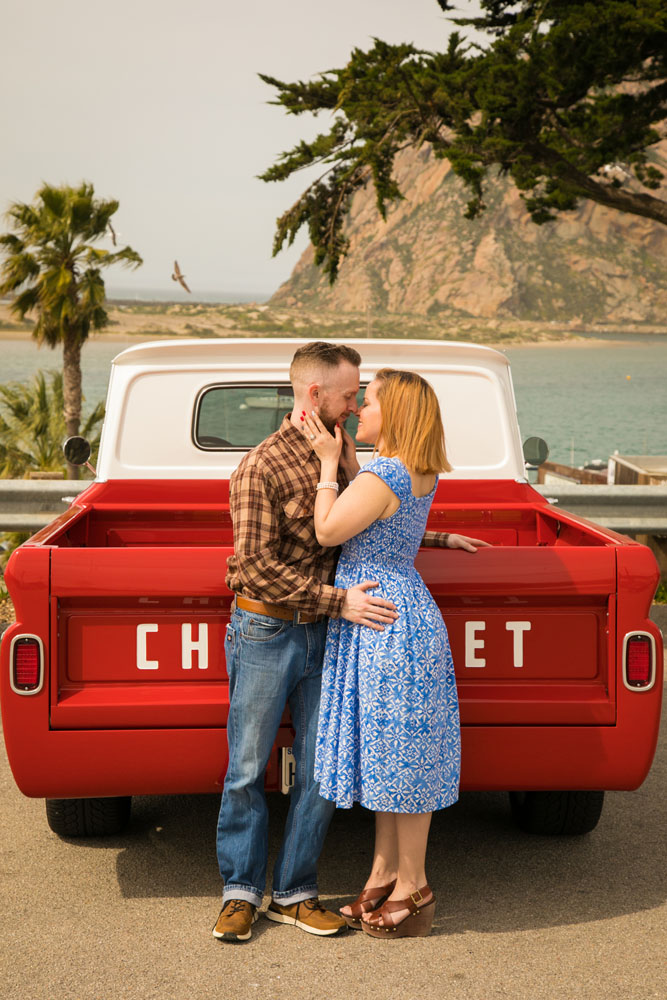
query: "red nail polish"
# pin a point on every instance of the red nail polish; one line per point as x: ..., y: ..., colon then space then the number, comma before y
x: 301, y: 419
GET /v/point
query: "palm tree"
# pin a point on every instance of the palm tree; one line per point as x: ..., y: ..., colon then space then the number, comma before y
x: 55, y: 271
x: 32, y: 426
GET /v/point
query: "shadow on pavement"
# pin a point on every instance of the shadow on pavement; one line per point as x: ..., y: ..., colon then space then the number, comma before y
x: 487, y: 875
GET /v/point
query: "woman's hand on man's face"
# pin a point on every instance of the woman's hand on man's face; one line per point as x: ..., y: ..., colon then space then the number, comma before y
x: 325, y: 445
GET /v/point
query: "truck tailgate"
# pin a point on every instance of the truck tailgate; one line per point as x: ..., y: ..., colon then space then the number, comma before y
x: 139, y: 637
x: 532, y: 632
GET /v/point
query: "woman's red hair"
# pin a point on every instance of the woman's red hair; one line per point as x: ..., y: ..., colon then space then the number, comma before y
x: 411, y: 423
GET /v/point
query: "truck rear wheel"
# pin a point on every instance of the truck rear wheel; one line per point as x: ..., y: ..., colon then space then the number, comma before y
x: 557, y: 813
x: 88, y: 817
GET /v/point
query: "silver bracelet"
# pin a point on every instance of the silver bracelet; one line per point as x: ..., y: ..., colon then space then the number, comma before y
x: 327, y: 486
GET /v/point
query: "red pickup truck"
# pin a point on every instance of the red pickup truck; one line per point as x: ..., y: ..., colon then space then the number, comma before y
x: 113, y: 676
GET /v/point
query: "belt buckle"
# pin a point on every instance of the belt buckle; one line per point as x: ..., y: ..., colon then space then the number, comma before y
x: 303, y: 618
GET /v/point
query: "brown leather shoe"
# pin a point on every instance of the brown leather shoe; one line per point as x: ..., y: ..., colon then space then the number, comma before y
x: 417, y: 923
x: 235, y: 921
x: 366, y: 901
x: 309, y: 915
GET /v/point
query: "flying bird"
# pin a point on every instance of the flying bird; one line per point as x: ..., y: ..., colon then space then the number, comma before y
x: 177, y: 276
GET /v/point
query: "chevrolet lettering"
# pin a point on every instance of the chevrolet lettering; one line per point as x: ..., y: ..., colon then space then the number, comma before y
x: 472, y: 643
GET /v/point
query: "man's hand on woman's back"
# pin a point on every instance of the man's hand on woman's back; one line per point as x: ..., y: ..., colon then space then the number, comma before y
x: 362, y: 608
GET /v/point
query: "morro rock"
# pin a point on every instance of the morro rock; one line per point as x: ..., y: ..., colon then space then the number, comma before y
x: 590, y: 265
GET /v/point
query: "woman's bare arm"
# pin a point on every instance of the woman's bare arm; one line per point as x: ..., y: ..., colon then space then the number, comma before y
x: 338, y: 518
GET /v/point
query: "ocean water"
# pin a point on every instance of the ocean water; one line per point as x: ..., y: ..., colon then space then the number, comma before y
x: 586, y: 400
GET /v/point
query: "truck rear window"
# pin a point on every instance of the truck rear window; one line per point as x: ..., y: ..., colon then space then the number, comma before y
x: 229, y: 417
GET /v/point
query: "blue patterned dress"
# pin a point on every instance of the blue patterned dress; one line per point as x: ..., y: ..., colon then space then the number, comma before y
x: 389, y: 733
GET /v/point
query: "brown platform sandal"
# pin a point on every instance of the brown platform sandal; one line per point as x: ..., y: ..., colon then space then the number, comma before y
x: 417, y: 923
x: 366, y: 901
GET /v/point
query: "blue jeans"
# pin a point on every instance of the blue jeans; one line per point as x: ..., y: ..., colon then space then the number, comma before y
x: 271, y: 662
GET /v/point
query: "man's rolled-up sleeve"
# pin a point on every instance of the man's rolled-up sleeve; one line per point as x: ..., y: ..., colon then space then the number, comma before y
x: 435, y: 539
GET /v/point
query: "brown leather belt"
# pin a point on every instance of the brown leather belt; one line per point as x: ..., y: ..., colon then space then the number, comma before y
x: 277, y: 611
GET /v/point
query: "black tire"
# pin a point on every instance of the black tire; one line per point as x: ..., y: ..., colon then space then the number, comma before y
x: 88, y: 817
x: 557, y: 813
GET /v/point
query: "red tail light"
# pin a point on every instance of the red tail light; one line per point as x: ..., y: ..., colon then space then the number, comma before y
x: 638, y: 660
x: 26, y: 664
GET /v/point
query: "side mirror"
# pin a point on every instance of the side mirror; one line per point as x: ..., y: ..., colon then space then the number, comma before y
x: 77, y: 452
x: 535, y: 451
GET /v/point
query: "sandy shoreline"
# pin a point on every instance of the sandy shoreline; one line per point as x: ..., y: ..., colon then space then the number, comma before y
x: 131, y: 324
x: 137, y: 338
x: 573, y: 341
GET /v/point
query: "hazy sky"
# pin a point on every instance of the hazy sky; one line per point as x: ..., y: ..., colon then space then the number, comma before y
x: 158, y: 104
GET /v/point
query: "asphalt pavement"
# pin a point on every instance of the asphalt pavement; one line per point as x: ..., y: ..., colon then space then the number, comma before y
x: 518, y: 916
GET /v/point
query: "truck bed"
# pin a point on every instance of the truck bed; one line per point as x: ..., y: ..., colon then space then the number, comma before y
x: 120, y: 636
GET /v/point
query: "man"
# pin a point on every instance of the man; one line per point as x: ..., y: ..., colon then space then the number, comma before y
x: 283, y: 582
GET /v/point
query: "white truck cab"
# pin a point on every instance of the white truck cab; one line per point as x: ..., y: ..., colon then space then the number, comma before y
x: 238, y: 390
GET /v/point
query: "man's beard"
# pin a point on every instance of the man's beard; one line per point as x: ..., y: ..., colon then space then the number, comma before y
x: 328, y: 421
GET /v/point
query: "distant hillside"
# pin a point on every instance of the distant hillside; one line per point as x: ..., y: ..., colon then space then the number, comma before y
x: 592, y: 265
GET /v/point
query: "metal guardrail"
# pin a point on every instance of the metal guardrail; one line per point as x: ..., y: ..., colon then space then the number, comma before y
x: 634, y: 510
x: 28, y: 505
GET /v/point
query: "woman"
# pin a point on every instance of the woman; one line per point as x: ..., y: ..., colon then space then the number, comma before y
x: 389, y: 722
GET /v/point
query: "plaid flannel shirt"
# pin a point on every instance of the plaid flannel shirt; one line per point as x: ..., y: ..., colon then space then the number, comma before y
x: 277, y: 557
x: 436, y: 539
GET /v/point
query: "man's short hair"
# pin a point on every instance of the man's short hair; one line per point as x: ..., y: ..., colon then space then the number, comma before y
x: 318, y: 355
